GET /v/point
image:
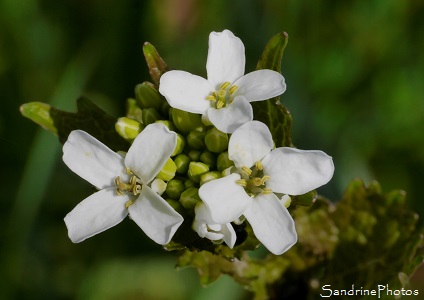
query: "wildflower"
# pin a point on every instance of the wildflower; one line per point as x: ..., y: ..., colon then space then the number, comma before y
x: 225, y: 95
x: 261, y: 171
x: 123, y: 184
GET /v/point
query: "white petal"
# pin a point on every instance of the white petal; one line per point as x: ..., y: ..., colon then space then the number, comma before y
x: 249, y: 144
x: 272, y: 223
x: 186, y: 91
x: 296, y: 172
x: 260, y: 85
x: 226, y: 59
x: 92, y: 160
x: 155, y: 216
x: 95, y: 214
x: 224, y: 199
x: 231, y: 117
x: 229, y: 233
x: 150, y: 151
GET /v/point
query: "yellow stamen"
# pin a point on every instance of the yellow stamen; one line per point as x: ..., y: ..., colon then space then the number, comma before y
x: 246, y: 170
x: 265, y: 178
x: 225, y: 85
x: 266, y: 191
x: 128, y: 203
x: 233, y: 89
x: 220, y: 104
x: 129, y: 172
x: 241, y: 182
x: 211, y: 98
x: 258, y: 165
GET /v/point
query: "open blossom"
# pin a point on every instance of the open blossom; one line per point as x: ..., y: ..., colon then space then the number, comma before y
x: 225, y: 95
x: 261, y: 171
x: 205, y: 227
x: 122, y: 183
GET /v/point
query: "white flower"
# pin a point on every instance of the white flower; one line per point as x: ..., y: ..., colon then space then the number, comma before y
x: 122, y: 183
x: 225, y: 95
x: 217, y: 233
x: 262, y: 171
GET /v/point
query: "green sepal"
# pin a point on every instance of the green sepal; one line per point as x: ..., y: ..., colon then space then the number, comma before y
x: 174, y: 188
x: 128, y: 128
x: 189, y: 198
x: 89, y: 118
x: 168, y: 170
x: 150, y: 115
x: 185, y: 121
x: 39, y: 113
x: 155, y: 63
x: 133, y: 110
x: 272, y: 112
x: 182, y: 161
x: 148, y: 96
x: 196, y: 169
x: 305, y: 199
x: 196, y: 139
x: 216, y: 141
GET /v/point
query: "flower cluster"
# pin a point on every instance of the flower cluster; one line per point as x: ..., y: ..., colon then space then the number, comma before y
x: 197, y: 156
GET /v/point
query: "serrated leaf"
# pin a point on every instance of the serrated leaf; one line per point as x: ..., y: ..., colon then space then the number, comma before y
x: 155, y: 63
x: 272, y: 112
x: 89, y: 118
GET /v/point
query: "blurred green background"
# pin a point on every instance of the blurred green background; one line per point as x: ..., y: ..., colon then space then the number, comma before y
x: 354, y: 72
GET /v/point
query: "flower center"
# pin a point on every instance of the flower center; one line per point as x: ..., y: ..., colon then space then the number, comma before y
x: 223, y: 96
x: 130, y: 186
x: 254, y: 180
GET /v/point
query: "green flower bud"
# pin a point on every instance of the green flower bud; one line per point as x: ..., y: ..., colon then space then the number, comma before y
x: 216, y: 141
x: 155, y: 63
x: 133, y: 110
x: 158, y: 186
x: 174, y: 188
x: 209, y: 176
x: 194, y: 155
x: 164, y: 109
x: 196, y: 139
x: 223, y: 162
x: 189, y: 198
x: 208, y: 158
x: 148, y: 96
x: 176, y: 205
x: 185, y: 121
x: 182, y: 161
x: 168, y: 171
x: 196, y: 169
x: 189, y: 183
x: 167, y: 123
x: 128, y: 128
x: 180, y: 145
x: 150, y: 115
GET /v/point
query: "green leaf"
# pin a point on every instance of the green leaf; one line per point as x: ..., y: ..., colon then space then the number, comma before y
x: 89, y: 118
x: 156, y: 64
x: 272, y: 112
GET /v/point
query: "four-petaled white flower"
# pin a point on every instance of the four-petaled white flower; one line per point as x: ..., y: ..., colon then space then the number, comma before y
x: 225, y: 95
x: 206, y: 228
x: 122, y: 183
x: 262, y: 171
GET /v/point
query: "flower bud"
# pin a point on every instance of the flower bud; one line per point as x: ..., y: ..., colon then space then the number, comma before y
x: 182, y: 161
x: 194, y: 155
x: 167, y: 123
x: 164, y: 109
x: 223, y: 162
x: 208, y: 158
x: 189, y: 198
x: 209, y: 176
x: 148, y: 96
x: 180, y: 145
x: 133, y: 110
x: 168, y: 171
x: 188, y: 184
x: 176, y: 205
x: 196, y: 169
x: 158, y: 186
x: 174, y: 188
x: 185, y: 121
x: 149, y: 115
x: 216, y: 141
x: 196, y: 139
x: 128, y: 128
